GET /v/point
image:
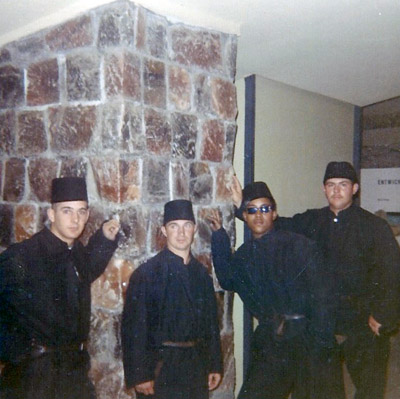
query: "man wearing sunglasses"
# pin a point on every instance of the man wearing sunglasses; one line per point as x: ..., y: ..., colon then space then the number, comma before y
x: 362, y: 259
x: 276, y: 275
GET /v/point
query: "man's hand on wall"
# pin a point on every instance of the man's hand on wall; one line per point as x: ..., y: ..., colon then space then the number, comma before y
x: 213, y: 380
x: 110, y: 229
x: 214, y: 218
x: 236, y: 190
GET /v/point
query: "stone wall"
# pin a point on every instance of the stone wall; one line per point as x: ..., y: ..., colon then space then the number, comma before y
x: 145, y: 110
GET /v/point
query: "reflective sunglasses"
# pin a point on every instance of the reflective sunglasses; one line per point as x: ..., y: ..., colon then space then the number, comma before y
x: 262, y: 209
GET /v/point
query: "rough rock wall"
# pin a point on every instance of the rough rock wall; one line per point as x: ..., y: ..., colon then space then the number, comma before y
x: 145, y: 110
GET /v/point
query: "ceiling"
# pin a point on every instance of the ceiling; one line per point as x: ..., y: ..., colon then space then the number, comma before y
x: 345, y: 49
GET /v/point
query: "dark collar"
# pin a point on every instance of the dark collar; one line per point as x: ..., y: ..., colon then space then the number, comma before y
x: 53, y: 243
x: 266, y: 236
x: 176, y: 258
x: 345, y: 213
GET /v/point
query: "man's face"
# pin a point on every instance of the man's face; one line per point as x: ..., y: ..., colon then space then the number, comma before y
x: 339, y: 193
x: 68, y: 219
x: 259, y: 223
x: 179, y: 235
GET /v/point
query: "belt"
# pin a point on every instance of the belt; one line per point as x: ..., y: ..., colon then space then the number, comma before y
x: 281, y: 317
x: 185, y: 344
x: 39, y: 350
x: 294, y: 316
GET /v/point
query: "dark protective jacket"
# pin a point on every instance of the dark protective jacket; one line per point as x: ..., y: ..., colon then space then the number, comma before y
x: 362, y: 258
x: 168, y: 301
x: 277, y: 275
x: 45, y: 291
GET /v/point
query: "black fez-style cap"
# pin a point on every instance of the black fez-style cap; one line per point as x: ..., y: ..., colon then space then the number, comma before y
x: 178, y: 210
x: 68, y: 189
x: 340, y: 169
x: 255, y: 190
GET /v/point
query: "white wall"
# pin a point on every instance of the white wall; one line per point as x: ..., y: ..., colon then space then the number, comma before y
x: 297, y: 134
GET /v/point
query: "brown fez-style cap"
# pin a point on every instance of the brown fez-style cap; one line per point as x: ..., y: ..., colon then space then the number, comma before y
x: 68, y: 189
x: 178, y: 210
x: 340, y: 169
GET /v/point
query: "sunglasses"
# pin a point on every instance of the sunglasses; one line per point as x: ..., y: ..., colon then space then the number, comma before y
x: 262, y: 209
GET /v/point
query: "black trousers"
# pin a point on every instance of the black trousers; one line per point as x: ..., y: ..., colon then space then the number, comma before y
x: 182, y: 375
x: 277, y: 368
x: 50, y: 376
x: 293, y: 366
x: 366, y: 357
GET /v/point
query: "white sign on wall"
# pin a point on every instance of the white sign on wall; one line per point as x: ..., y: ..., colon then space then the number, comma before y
x: 380, y: 189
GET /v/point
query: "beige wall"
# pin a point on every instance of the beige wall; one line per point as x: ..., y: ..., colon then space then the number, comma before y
x: 297, y: 134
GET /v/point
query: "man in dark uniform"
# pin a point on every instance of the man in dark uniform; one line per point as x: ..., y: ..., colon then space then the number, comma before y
x: 170, y: 335
x: 362, y: 258
x: 45, y: 301
x: 276, y: 275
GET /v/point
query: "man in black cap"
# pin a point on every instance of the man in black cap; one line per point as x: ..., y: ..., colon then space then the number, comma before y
x: 45, y: 300
x: 276, y: 275
x: 170, y: 335
x: 362, y: 258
